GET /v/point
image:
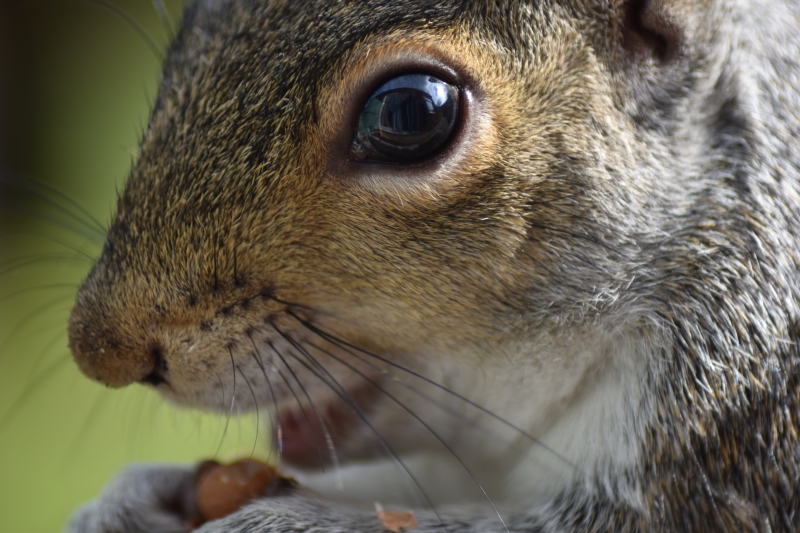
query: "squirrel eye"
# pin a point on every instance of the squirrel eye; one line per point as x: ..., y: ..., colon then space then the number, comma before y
x: 407, y: 119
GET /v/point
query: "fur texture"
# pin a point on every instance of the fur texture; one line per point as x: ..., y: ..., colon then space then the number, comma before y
x: 582, y: 315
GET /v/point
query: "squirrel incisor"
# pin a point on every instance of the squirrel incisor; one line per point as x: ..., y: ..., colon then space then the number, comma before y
x: 526, y: 266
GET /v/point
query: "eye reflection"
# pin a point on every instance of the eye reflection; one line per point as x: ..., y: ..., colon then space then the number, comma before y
x: 407, y: 119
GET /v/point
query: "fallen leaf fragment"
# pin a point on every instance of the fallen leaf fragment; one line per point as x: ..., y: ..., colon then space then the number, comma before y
x: 394, y: 521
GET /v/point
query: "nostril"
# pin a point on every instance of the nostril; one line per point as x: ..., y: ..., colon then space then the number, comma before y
x: 154, y: 378
x: 159, y: 362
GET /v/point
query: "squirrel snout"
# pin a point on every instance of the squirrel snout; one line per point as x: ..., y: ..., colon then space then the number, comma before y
x: 100, y: 354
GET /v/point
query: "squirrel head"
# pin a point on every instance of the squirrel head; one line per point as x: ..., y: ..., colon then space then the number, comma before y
x: 265, y: 228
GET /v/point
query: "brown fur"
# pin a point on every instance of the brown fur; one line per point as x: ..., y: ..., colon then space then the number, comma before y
x: 619, y: 170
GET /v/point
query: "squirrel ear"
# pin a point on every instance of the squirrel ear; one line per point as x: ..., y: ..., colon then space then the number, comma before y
x: 652, y: 28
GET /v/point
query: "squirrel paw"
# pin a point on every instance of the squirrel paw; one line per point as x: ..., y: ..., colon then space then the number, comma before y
x: 295, y: 512
x: 141, y: 498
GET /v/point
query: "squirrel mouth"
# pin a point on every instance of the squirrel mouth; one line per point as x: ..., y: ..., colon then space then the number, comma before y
x: 308, y: 436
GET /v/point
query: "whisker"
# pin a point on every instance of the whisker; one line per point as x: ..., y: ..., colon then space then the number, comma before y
x: 97, y: 407
x: 345, y: 397
x: 305, y: 414
x: 49, y: 286
x: 450, y: 411
x: 56, y: 198
x: 42, y: 353
x: 328, y: 440
x: 445, y: 408
x: 30, y: 392
x: 345, y: 345
x: 222, y: 407
x: 418, y: 419
x: 272, y: 419
x: 230, y: 411
x: 134, y: 25
x: 43, y: 258
x: 163, y: 14
x: 134, y: 428
x: 83, y: 231
x: 255, y: 441
x: 45, y: 236
x: 39, y: 310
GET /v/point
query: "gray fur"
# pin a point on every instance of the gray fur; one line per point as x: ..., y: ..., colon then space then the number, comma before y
x: 670, y: 215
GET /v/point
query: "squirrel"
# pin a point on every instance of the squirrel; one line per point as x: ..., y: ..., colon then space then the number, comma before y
x: 527, y: 266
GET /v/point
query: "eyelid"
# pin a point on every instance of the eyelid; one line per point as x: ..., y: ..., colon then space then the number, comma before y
x: 393, y: 81
x: 356, y: 78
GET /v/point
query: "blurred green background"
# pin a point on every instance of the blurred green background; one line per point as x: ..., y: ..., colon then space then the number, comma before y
x: 76, y: 83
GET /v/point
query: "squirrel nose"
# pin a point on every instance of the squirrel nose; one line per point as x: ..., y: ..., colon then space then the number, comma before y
x: 156, y: 376
x: 102, y: 356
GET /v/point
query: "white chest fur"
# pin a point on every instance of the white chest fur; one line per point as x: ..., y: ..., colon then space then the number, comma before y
x: 573, y: 412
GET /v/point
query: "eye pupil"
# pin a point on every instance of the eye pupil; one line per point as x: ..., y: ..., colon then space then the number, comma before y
x: 407, y: 119
x: 404, y: 112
